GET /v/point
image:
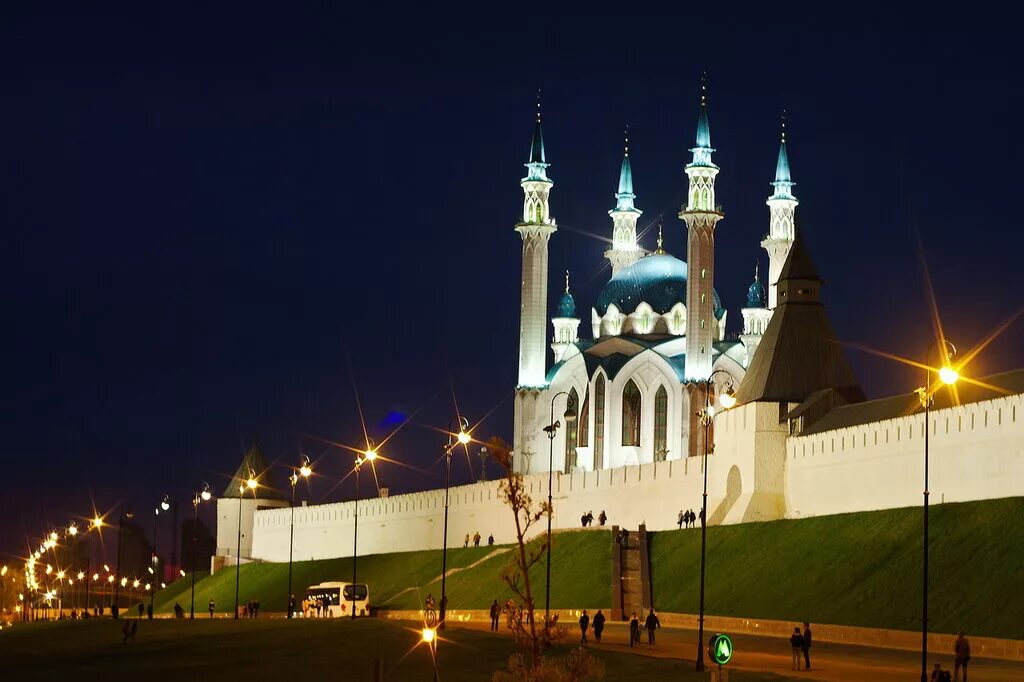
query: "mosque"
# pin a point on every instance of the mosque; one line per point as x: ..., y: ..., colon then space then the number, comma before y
x: 658, y: 327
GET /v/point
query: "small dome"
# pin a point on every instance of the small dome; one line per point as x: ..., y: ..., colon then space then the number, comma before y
x: 658, y: 280
x: 567, y: 306
x: 755, y: 295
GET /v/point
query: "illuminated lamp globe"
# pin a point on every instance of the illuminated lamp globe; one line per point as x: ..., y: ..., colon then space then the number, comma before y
x: 165, y: 505
x: 81, y: 575
x: 53, y: 536
x: 72, y: 530
x: 252, y: 483
x: 569, y: 415
x: 370, y: 455
x: 464, y: 437
x: 727, y: 399
x: 428, y: 635
x: 97, y: 522
x: 205, y: 495
x: 948, y: 375
x: 305, y: 471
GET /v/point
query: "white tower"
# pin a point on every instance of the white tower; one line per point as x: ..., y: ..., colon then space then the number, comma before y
x: 755, y: 318
x: 566, y: 325
x: 701, y: 215
x: 624, y: 251
x: 782, y: 205
x: 536, y: 228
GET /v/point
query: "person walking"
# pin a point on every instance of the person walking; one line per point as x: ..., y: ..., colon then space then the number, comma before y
x: 476, y: 539
x: 490, y: 540
x: 210, y: 607
x: 602, y: 518
x: 682, y: 517
x: 495, y: 611
x: 796, y: 640
x: 962, y: 654
x: 805, y: 645
x: 634, y: 630
x: 650, y: 624
x: 584, y: 624
x: 598, y: 625
x: 693, y: 518
x: 465, y: 543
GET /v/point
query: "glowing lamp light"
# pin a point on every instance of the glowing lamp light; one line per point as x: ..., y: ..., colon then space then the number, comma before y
x: 72, y: 530
x: 205, y: 495
x: 182, y: 572
x: 948, y: 375
x: 150, y: 569
x: 305, y: 471
x: 711, y: 410
x: 81, y: 575
x: 97, y: 522
x: 49, y: 569
x: 3, y: 571
x: 53, y: 536
x: 165, y: 504
x: 135, y: 583
x: 370, y: 455
x: 95, y: 576
x: 252, y: 483
x: 110, y: 579
x: 162, y: 586
x: 124, y: 582
x: 428, y: 635
x: 464, y: 438
x: 60, y: 575
x: 728, y: 399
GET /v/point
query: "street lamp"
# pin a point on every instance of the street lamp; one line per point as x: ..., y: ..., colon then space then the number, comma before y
x: 707, y: 415
x: 116, y: 602
x: 464, y: 438
x: 368, y: 456
x: 200, y: 496
x: 949, y: 376
x: 304, y: 471
x: 551, y: 429
x: 165, y: 504
x: 251, y: 484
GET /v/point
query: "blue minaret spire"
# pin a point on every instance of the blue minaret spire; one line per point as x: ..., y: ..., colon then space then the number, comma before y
x: 783, y: 182
x: 625, y: 196
x: 537, y: 164
x: 702, y: 151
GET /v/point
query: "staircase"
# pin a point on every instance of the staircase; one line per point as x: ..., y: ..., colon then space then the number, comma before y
x: 631, y: 575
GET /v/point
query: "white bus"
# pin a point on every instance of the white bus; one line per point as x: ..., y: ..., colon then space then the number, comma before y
x: 335, y: 600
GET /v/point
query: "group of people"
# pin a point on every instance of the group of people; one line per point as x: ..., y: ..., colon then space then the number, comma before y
x: 801, y: 644
x: 319, y: 606
x: 585, y: 623
x: 476, y: 540
x: 961, y: 657
x: 250, y: 609
x: 651, y: 623
x: 588, y: 519
x: 688, y: 518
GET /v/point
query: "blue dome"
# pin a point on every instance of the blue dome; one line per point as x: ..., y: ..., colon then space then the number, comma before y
x: 755, y: 295
x: 658, y: 280
x: 567, y: 306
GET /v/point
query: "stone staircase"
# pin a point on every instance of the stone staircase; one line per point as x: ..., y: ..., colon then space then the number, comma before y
x: 631, y: 574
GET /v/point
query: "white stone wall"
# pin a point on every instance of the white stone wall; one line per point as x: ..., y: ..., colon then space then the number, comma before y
x: 228, y: 516
x: 976, y: 452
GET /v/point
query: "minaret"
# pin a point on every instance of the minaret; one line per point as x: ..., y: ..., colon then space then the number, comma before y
x: 536, y: 228
x: 755, y: 317
x: 701, y: 215
x: 624, y: 251
x: 566, y: 325
x: 782, y: 205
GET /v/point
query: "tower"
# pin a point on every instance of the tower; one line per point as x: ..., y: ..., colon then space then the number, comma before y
x: 535, y: 228
x: 782, y: 231
x: 624, y: 251
x: 566, y: 325
x: 701, y: 214
x: 755, y: 317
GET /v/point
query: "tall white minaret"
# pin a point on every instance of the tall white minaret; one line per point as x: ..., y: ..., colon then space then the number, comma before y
x: 755, y: 318
x: 624, y: 251
x: 782, y: 205
x: 536, y: 228
x: 701, y: 215
x: 566, y: 324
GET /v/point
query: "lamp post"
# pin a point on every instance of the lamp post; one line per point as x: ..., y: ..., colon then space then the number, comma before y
x: 96, y: 523
x: 551, y: 429
x: 116, y: 601
x: 249, y: 484
x: 200, y: 496
x: 707, y: 415
x: 305, y: 471
x: 463, y: 438
x: 948, y: 375
x: 164, y: 505
x: 368, y: 456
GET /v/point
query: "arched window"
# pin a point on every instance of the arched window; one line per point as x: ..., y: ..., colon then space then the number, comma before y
x: 570, y: 432
x: 661, y: 425
x: 631, y: 405
x: 599, y: 422
x: 584, y: 430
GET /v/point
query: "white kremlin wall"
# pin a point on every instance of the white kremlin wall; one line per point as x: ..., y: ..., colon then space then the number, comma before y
x: 976, y: 452
x: 758, y: 472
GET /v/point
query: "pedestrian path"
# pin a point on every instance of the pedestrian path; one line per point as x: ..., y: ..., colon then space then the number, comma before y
x: 497, y: 551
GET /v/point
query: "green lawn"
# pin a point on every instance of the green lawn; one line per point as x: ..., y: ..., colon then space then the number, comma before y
x: 581, y: 574
x: 278, y: 649
x: 857, y: 569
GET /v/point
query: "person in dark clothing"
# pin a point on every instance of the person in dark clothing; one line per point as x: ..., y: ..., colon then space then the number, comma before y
x: 796, y: 640
x: 142, y: 609
x: 634, y: 629
x: 495, y: 611
x: 940, y: 675
x: 490, y: 540
x: 149, y: 612
x: 701, y: 516
x: 962, y: 654
x: 584, y: 624
x: 650, y: 625
x: 476, y: 539
x: 210, y: 607
x: 598, y: 625
x: 583, y: 520
x: 805, y: 646
x: 291, y: 605
x: 602, y: 517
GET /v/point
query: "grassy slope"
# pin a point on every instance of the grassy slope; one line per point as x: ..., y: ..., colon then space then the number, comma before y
x: 276, y: 649
x: 581, y: 574
x: 857, y: 569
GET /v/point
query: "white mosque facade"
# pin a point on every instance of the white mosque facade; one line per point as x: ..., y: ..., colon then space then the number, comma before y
x: 800, y: 441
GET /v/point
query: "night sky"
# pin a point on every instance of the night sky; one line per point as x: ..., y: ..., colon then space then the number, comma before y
x: 213, y: 220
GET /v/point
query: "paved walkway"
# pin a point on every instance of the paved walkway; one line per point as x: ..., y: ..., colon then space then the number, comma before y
x: 833, y: 662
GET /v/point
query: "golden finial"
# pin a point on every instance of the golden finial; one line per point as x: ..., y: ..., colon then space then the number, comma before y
x: 783, y: 126
x: 627, y: 139
x: 566, y: 281
x: 704, y: 88
x: 660, y: 251
x: 538, y: 105
x: 756, y: 277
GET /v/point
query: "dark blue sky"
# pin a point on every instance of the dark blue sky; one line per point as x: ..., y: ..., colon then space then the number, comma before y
x: 209, y: 214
